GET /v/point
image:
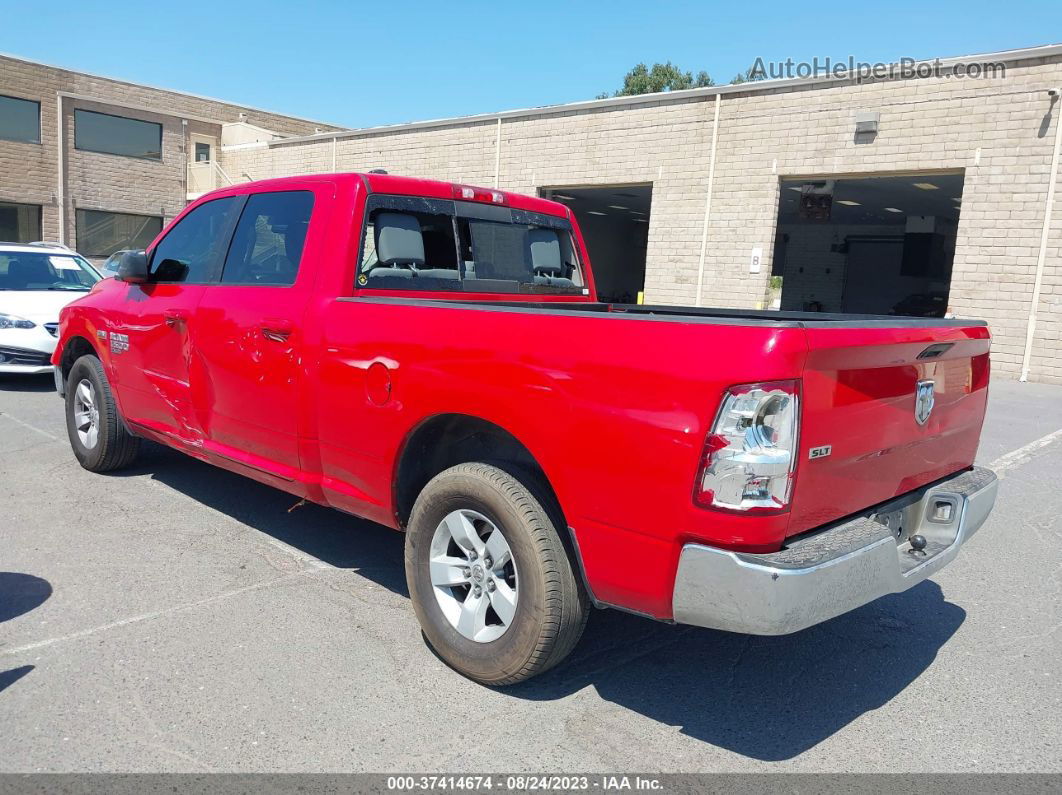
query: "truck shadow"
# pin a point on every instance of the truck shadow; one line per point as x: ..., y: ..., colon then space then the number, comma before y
x: 346, y: 542
x: 765, y: 698
x: 768, y: 698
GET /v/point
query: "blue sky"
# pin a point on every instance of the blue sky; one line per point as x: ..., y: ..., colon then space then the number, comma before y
x: 359, y: 64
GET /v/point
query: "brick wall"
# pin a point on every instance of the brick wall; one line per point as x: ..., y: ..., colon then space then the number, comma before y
x: 28, y: 171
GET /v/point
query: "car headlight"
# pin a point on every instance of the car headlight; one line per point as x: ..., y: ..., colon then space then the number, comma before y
x: 13, y: 321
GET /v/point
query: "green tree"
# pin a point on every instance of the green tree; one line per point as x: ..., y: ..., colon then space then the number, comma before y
x: 660, y: 77
x: 750, y: 75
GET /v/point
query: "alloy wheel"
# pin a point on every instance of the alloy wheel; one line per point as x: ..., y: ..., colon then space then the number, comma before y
x: 86, y: 414
x: 473, y: 575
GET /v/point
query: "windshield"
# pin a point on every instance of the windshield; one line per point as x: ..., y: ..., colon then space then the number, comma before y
x: 32, y: 270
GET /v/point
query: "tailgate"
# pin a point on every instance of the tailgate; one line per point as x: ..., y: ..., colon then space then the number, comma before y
x: 860, y: 395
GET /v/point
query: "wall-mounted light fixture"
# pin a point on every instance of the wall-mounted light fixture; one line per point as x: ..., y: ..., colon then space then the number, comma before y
x: 866, y: 127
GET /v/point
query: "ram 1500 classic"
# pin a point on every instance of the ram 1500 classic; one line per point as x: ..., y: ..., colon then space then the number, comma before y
x: 433, y: 357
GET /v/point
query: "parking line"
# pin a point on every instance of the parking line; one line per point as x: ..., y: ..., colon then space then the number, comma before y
x: 154, y: 614
x: 1022, y: 455
x: 33, y: 428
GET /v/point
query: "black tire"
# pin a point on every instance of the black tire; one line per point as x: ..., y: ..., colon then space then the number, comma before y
x: 552, y: 606
x: 115, y: 447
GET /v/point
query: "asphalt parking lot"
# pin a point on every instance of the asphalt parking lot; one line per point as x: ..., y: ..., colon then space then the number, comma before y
x: 179, y: 618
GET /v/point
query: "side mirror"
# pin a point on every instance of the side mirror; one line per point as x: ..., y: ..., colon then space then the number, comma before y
x: 133, y: 268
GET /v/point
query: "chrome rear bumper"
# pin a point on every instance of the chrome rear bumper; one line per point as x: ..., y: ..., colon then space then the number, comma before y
x: 829, y: 573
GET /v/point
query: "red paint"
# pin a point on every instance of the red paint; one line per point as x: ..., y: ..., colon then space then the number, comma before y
x: 614, y: 407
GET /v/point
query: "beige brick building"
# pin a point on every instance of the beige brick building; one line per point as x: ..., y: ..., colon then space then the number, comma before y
x: 739, y: 196
x: 56, y: 183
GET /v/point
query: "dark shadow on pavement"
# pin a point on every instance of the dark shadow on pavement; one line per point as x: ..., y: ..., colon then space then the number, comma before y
x: 20, y: 593
x: 27, y: 383
x: 768, y: 698
x: 8, y: 678
x: 341, y: 540
x: 765, y: 698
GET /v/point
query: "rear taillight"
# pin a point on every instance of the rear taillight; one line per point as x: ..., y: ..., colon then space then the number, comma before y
x: 750, y: 454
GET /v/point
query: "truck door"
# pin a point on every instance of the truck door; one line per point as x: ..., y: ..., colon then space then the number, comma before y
x: 249, y: 334
x: 153, y: 358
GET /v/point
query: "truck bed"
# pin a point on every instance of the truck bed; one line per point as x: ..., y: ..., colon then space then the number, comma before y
x: 616, y: 402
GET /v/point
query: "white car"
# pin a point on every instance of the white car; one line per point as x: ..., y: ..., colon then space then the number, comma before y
x: 36, y: 281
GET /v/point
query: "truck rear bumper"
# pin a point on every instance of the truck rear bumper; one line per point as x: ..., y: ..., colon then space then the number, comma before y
x: 823, y: 575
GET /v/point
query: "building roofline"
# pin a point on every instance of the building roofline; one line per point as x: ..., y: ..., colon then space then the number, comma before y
x: 1005, y: 56
x: 169, y: 91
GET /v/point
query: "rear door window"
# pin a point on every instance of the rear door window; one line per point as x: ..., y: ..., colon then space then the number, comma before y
x: 267, y: 245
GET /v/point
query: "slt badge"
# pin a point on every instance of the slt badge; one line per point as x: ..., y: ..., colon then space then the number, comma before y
x: 924, y: 401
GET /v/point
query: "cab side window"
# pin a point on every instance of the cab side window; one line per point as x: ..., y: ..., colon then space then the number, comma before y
x: 192, y: 250
x: 267, y: 245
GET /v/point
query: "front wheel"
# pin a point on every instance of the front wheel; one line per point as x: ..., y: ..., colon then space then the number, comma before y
x: 490, y: 580
x: 98, y: 437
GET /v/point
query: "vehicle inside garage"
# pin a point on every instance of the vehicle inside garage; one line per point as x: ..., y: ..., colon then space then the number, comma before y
x: 875, y: 245
x: 614, y: 220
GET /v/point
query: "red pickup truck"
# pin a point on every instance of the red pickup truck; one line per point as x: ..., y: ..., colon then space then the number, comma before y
x: 433, y: 357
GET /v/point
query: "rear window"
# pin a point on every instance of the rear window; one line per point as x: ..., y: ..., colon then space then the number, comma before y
x: 411, y: 243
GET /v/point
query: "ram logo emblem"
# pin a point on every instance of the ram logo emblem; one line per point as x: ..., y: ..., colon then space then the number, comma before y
x: 924, y: 401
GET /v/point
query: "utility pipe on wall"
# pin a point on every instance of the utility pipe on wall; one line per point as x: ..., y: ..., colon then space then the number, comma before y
x: 186, y: 141
x: 60, y: 196
x: 1045, y: 233
x: 497, y: 155
x: 708, y: 202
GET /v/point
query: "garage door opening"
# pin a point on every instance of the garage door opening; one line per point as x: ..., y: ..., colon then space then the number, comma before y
x: 874, y: 245
x: 614, y: 220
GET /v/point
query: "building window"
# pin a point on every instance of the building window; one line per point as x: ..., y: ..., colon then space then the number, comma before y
x: 20, y: 120
x: 117, y: 135
x: 20, y: 223
x: 100, y: 234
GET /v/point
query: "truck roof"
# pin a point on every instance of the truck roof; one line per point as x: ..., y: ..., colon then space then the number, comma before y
x: 413, y: 186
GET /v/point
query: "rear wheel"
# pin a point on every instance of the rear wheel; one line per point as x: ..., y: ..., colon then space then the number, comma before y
x: 98, y: 437
x: 490, y: 580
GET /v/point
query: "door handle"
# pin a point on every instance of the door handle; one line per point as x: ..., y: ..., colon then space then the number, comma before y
x: 175, y: 317
x: 276, y: 330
